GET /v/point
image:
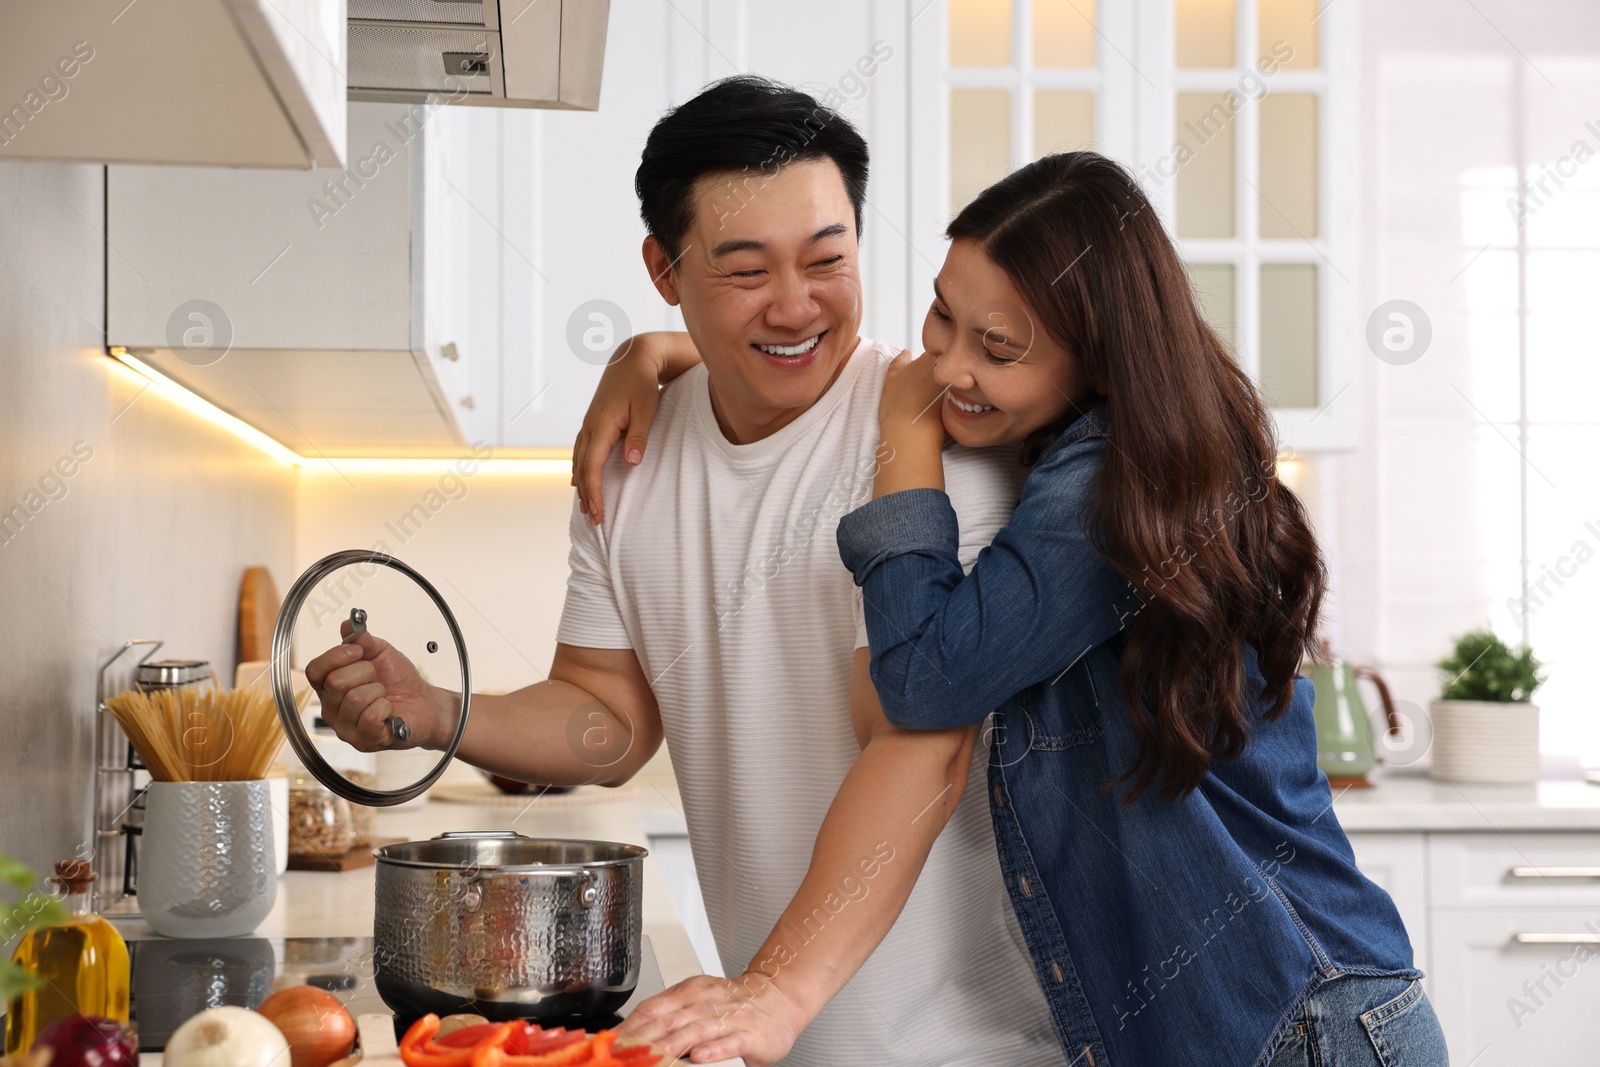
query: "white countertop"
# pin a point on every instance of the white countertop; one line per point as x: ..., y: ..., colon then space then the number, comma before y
x: 1406, y: 800
x: 326, y: 904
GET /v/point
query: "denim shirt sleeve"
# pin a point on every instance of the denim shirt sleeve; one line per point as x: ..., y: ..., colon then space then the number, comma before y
x: 949, y: 648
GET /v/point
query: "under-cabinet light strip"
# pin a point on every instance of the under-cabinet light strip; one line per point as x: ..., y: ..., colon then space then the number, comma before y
x: 204, y: 409
x: 554, y: 466
x: 514, y: 465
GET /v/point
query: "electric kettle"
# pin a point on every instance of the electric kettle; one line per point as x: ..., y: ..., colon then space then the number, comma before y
x: 1346, y: 748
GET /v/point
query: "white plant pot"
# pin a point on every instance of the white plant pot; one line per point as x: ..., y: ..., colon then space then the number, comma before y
x: 1482, y: 741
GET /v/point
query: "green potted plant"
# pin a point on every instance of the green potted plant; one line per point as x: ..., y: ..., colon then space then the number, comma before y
x: 1485, y: 726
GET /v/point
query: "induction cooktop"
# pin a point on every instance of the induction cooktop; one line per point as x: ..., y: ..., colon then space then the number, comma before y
x: 174, y: 979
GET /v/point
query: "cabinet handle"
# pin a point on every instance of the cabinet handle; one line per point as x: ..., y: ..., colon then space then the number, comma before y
x: 1557, y: 939
x: 468, y: 403
x: 450, y: 352
x: 1555, y: 872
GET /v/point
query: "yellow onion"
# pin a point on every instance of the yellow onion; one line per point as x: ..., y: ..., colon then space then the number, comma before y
x: 317, y: 1026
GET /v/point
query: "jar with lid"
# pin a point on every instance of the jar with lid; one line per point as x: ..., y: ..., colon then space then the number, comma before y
x: 174, y: 674
x: 320, y: 825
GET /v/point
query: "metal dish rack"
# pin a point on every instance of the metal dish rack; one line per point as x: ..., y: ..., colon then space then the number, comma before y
x: 117, y: 804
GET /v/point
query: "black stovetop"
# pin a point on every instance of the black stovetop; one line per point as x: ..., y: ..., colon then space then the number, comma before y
x: 176, y: 978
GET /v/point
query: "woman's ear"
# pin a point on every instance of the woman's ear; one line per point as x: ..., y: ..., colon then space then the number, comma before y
x: 661, y: 267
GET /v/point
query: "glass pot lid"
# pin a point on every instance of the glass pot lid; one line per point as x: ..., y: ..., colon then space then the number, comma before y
x: 412, y: 644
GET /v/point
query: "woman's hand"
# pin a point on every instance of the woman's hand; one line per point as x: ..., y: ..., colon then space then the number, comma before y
x: 911, y: 399
x: 625, y: 402
x: 704, y: 1019
x: 911, y: 431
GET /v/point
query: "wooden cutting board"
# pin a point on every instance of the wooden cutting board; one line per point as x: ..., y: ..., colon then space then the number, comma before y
x: 348, y: 861
x: 258, y: 614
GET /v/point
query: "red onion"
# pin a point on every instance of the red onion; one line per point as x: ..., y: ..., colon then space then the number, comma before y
x: 89, y: 1041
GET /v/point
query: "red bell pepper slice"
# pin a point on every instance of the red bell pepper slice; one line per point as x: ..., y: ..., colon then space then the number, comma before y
x: 583, y: 1052
x: 517, y: 1044
x: 536, y: 1042
x: 636, y: 1056
x: 600, y: 1052
x: 417, y: 1048
x: 491, y: 1051
x: 467, y: 1036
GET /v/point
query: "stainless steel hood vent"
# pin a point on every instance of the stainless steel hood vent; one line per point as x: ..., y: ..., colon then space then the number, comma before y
x: 452, y: 11
x: 515, y: 53
x: 407, y: 62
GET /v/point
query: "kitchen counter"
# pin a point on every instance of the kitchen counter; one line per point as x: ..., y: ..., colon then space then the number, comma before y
x: 317, y: 904
x: 1404, y: 800
x: 327, y: 904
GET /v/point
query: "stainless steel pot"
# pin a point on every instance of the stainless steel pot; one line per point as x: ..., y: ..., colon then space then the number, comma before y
x: 508, y: 926
x: 491, y: 922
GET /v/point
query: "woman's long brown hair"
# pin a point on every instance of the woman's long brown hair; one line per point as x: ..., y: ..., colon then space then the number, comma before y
x: 1187, y: 505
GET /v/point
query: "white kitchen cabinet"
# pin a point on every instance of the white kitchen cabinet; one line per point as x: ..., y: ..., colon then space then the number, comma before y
x: 1516, y: 871
x: 1517, y: 986
x: 1515, y: 932
x: 1398, y: 863
x: 1498, y: 885
x: 340, y: 313
x: 461, y: 265
x: 242, y: 83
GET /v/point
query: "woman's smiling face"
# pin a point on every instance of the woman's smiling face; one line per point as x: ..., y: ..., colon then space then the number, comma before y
x: 1005, y: 377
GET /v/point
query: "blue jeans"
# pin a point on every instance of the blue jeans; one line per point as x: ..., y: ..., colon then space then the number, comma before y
x: 1361, y: 1021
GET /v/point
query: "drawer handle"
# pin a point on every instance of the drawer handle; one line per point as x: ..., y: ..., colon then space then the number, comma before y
x: 1555, y: 872
x: 1557, y: 939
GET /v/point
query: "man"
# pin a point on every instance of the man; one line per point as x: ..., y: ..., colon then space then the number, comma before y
x: 709, y: 606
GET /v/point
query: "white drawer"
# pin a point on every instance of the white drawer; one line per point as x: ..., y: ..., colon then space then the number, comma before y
x: 1478, y: 870
x: 1517, y: 987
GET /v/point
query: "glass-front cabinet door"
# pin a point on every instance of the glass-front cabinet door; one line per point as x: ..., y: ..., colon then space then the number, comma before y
x: 1237, y: 116
x: 1025, y: 78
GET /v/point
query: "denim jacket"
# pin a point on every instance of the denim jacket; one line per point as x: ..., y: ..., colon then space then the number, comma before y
x: 1185, y: 932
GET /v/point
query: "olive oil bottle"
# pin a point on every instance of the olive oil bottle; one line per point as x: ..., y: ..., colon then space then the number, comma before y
x: 82, y: 965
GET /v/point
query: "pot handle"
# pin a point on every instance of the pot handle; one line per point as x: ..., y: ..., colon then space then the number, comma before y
x: 588, y: 894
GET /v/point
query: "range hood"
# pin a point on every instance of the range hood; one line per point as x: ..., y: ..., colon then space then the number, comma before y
x: 503, y: 53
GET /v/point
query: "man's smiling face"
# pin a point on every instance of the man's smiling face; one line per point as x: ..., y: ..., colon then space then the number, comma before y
x: 770, y: 286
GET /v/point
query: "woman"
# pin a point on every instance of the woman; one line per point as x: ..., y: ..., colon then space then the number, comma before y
x: 1166, y: 835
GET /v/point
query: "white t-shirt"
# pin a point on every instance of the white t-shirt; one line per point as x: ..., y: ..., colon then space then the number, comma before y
x: 717, y: 565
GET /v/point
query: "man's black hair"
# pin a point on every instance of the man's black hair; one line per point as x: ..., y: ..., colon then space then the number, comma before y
x: 747, y: 127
